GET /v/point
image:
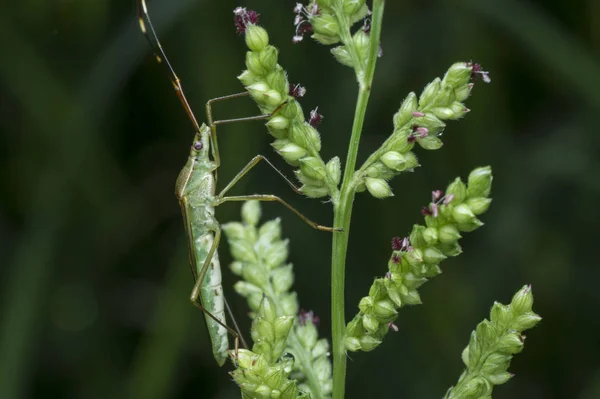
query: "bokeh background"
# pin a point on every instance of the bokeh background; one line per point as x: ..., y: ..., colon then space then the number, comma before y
x: 94, y: 278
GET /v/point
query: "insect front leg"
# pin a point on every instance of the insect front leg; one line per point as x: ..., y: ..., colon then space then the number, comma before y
x: 213, y: 124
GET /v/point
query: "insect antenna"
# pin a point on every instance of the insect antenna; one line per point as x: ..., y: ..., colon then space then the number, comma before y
x: 161, y: 58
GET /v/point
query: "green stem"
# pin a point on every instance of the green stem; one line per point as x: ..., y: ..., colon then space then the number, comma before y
x: 343, y: 210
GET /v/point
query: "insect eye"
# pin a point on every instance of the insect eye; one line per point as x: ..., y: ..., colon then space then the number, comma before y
x: 197, y: 145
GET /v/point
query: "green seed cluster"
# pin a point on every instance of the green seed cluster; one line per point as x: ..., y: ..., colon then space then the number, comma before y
x: 418, y: 121
x: 296, y: 141
x: 258, y: 379
x: 270, y: 332
x: 492, y: 346
x: 324, y: 18
x: 260, y: 256
x: 416, y: 259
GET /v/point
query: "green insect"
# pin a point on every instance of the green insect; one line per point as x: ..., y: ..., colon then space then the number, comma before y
x: 196, y: 191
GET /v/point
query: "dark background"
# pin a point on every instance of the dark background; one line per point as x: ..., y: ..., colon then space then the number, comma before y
x: 95, y: 282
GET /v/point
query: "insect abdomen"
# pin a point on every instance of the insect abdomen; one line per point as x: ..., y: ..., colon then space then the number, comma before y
x: 211, y: 295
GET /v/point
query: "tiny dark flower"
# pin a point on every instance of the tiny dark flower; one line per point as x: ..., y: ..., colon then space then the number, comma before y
x: 242, y: 17
x: 436, y: 195
x: 422, y: 132
x: 367, y: 23
x: 395, y: 259
x: 302, y: 20
x: 313, y: 9
x: 435, y: 210
x: 411, y: 138
x: 302, y: 27
x: 296, y: 90
x: 315, y: 118
x: 479, y: 72
x: 426, y: 211
x: 388, y: 274
x: 396, y: 243
x: 305, y: 317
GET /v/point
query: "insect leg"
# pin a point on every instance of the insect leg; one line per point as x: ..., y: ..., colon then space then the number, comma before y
x: 213, y: 124
x: 196, y: 298
x: 269, y: 197
x: 253, y: 162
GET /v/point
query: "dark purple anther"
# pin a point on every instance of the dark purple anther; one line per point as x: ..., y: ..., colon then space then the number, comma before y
x: 296, y: 90
x: 304, y: 317
x: 426, y: 211
x: 478, y: 71
x: 367, y: 23
x: 242, y: 17
x: 315, y: 118
x: 302, y: 20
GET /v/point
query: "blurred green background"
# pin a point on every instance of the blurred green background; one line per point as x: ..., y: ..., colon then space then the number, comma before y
x: 95, y: 281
